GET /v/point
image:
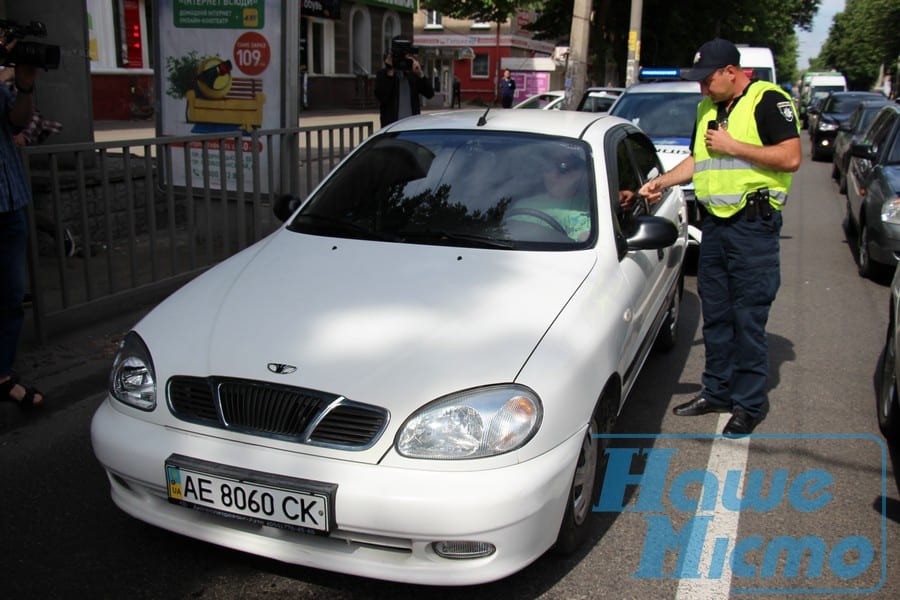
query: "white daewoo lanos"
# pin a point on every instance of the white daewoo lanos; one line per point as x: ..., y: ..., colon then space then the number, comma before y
x: 404, y: 381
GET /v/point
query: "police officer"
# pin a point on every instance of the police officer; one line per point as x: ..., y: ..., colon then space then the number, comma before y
x: 746, y: 145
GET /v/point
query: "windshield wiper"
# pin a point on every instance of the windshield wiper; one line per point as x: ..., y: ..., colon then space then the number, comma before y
x: 334, y: 224
x: 478, y: 241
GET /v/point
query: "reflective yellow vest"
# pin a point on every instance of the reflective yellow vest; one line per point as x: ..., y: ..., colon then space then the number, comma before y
x: 721, y: 181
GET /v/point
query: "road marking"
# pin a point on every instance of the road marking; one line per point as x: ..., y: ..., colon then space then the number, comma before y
x: 726, y: 454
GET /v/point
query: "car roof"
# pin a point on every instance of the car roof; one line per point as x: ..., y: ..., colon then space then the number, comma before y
x: 659, y: 87
x: 566, y: 123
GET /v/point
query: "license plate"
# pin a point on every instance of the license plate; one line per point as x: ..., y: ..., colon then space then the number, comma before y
x: 264, y: 498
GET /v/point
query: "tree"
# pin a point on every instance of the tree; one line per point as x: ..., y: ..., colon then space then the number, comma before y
x: 671, y: 32
x: 862, y: 38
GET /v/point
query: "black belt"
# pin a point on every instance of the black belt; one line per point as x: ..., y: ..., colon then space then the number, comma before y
x: 741, y: 214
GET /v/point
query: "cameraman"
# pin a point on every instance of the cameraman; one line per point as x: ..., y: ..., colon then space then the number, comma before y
x: 15, y: 114
x: 398, y: 87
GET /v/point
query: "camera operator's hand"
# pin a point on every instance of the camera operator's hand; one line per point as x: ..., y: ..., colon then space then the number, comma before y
x: 416, y: 67
x: 25, y: 77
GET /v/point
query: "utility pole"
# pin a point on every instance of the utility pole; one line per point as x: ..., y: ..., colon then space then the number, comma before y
x: 576, y: 62
x: 634, y: 43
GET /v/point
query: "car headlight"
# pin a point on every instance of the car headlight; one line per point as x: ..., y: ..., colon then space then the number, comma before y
x: 472, y: 424
x: 890, y: 211
x: 133, y: 379
x: 826, y: 126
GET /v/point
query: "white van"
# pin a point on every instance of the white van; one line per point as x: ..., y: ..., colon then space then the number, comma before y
x: 758, y: 63
x: 819, y: 86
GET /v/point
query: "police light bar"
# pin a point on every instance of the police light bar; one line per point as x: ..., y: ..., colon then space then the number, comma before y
x: 659, y: 73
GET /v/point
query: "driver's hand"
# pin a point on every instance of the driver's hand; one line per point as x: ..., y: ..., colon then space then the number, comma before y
x: 626, y: 199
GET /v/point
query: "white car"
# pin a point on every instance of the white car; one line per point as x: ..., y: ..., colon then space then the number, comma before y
x: 552, y: 100
x: 404, y: 381
x: 666, y: 111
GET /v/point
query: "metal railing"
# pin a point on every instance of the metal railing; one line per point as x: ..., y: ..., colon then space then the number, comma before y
x: 115, y: 225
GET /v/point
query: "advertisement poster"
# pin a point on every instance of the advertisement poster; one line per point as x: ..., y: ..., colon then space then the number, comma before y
x: 219, y: 73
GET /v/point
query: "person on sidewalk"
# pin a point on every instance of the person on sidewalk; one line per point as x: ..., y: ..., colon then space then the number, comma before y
x: 15, y: 114
x: 507, y: 89
x: 745, y: 148
x: 398, y: 88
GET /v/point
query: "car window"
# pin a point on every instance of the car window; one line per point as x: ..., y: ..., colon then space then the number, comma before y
x: 893, y: 157
x: 636, y: 163
x: 461, y: 188
x: 669, y: 114
x: 880, y: 129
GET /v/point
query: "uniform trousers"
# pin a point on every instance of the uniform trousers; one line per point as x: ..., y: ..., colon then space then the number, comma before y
x: 738, y: 275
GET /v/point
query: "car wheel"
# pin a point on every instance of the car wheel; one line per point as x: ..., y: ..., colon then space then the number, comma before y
x: 589, y: 469
x: 887, y: 402
x: 865, y: 265
x: 668, y: 333
x: 814, y: 152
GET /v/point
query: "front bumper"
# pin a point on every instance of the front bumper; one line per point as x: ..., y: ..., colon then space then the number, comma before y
x: 386, y: 517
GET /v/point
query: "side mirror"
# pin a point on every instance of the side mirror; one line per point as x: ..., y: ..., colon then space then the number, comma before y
x: 651, y: 233
x: 285, y: 206
x: 865, y: 151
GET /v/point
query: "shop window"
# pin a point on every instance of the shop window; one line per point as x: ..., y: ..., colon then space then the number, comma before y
x: 481, y: 66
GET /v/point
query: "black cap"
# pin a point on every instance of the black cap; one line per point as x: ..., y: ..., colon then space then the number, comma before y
x: 711, y: 56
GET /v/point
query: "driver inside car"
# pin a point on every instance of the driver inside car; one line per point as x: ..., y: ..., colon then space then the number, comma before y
x: 565, y: 199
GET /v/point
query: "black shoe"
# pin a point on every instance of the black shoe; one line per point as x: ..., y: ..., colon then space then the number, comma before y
x: 699, y: 406
x: 741, y: 423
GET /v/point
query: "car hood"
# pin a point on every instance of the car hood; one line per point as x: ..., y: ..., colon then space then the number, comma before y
x: 394, y: 325
x: 671, y: 151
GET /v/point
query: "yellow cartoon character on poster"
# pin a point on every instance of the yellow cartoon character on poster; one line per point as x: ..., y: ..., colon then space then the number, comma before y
x: 217, y: 100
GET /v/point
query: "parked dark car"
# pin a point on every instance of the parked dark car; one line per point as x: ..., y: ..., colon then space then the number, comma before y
x: 850, y: 132
x: 834, y: 110
x: 873, y: 193
x: 887, y: 403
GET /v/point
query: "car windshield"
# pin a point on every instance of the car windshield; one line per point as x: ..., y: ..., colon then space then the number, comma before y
x: 662, y: 115
x: 460, y: 188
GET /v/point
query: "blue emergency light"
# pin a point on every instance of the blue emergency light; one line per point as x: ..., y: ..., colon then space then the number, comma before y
x: 659, y: 73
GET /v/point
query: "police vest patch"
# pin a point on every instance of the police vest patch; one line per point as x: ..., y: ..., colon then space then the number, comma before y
x: 787, y: 111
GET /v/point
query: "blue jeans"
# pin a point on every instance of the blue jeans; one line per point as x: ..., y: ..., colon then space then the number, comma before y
x: 738, y: 276
x: 13, y: 236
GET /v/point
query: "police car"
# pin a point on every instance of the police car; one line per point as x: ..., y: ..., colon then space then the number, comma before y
x: 665, y: 108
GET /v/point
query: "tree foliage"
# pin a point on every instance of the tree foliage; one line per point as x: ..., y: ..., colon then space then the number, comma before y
x: 862, y: 38
x: 671, y: 32
x: 484, y: 11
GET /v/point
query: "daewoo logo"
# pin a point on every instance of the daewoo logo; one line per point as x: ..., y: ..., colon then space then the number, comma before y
x: 282, y: 369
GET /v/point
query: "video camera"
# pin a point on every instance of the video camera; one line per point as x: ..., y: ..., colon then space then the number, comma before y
x: 41, y: 55
x: 400, y: 49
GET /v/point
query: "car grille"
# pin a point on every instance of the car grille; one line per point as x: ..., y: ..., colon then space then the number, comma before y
x: 283, y: 412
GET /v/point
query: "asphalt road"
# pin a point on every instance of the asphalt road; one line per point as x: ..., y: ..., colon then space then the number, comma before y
x: 824, y: 475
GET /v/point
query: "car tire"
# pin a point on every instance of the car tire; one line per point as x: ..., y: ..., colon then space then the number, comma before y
x: 867, y: 267
x: 887, y: 403
x: 668, y: 333
x: 814, y: 151
x: 590, y: 466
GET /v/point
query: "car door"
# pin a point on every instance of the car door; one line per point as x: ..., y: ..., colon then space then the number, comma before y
x: 862, y: 170
x: 650, y: 274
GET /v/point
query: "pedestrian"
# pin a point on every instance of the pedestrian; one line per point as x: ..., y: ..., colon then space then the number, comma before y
x: 745, y: 148
x: 456, y: 100
x: 507, y: 89
x: 399, y: 86
x: 15, y: 113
